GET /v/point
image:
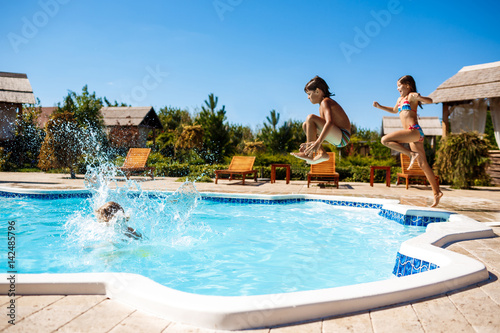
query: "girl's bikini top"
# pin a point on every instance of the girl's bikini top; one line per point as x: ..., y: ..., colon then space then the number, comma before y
x: 405, y: 106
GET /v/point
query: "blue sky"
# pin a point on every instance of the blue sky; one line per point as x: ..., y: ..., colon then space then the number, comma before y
x: 254, y: 55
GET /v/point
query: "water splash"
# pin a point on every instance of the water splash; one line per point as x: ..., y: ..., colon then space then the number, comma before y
x: 162, y: 218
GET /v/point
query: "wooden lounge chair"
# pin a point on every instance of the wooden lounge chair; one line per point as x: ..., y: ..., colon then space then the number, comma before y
x: 135, y: 162
x: 324, y: 172
x: 414, y: 173
x: 240, y: 165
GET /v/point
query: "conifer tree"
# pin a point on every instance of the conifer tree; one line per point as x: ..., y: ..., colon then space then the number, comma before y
x: 216, y: 131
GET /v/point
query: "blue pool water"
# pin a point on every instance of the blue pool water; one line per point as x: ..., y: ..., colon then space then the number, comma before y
x: 207, y: 247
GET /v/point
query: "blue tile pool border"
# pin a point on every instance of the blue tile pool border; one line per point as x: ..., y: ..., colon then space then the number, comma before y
x: 343, y: 203
x: 406, y: 265
x: 404, y: 219
x: 407, y: 219
x: 46, y: 196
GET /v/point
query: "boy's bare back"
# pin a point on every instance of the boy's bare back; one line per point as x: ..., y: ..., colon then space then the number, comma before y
x: 330, y: 108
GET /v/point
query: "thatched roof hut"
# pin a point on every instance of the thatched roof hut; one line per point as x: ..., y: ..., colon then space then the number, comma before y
x: 466, y: 96
x: 470, y: 83
x: 129, y: 126
x: 128, y: 115
x: 15, y: 90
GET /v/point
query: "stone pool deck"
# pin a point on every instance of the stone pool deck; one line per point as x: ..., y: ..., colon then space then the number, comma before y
x: 473, y: 309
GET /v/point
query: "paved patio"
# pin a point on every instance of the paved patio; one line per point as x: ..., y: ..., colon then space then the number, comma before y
x: 473, y: 309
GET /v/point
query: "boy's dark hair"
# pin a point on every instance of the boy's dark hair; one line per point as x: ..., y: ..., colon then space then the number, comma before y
x: 108, y: 211
x: 409, y: 80
x: 317, y: 82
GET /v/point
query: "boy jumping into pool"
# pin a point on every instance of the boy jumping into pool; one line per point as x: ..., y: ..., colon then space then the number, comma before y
x: 111, y: 210
x: 332, y: 124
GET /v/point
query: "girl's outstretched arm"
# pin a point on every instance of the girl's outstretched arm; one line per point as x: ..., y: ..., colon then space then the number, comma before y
x: 422, y: 99
x: 386, y: 108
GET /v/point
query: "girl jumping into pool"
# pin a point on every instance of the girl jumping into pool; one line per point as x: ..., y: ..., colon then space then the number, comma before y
x: 412, y: 133
x: 332, y: 124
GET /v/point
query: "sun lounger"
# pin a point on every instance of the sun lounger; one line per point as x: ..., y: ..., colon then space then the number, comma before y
x: 240, y: 165
x: 415, y: 172
x: 324, y: 172
x: 135, y: 162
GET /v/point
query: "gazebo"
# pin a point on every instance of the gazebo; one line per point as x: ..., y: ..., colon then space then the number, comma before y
x: 15, y: 90
x: 466, y: 97
x: 128, y: 127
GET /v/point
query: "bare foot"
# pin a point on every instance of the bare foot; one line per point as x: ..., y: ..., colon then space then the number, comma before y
x: 437, y: 197
x: 302, y: 156
x: 413, y: 158
x: 315, y: 160
x: 320, y: 158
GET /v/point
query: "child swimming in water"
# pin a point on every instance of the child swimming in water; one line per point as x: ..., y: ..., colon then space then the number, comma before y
x: 332, y: 124
x: 412, y: 133
x: 112, y: 210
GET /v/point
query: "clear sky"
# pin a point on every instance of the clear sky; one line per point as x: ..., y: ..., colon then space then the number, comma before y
x: 255, y: 55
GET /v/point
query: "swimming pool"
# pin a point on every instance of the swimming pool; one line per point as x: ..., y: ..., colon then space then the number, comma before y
x: 210, y: 247
x: 238, y: 312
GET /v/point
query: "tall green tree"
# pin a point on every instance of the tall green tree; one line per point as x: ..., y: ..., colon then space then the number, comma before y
x: 85, y: 108
x: 239, y: 135
x: 108, y: 103
x: 273, y: 119
x: 282, y: 139
x: 173, y: 120
x: 216, y: 131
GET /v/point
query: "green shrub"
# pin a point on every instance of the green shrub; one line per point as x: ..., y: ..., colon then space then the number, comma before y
x: 462, y: 160
x: 354, y: 173
x: 357, y: 160
x: 157, y: 158
x: 268, y: 159
x: 4, y: 158
x: 186, y: 169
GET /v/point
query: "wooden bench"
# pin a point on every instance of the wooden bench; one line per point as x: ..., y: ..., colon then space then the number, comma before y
x: 414, y: 173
